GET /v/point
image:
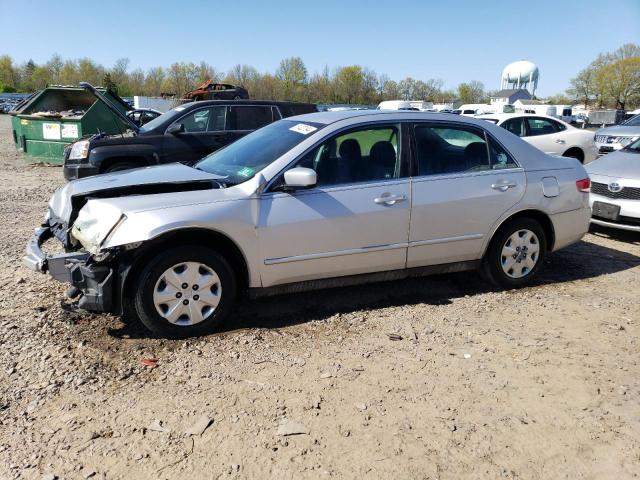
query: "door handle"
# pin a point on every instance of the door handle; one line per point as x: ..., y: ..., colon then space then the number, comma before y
x: 559, y: 140
x: 388, y: 199
x: 503, y: 185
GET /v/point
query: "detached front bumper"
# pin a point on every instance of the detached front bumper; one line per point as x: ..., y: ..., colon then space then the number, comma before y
x: 93, y: 282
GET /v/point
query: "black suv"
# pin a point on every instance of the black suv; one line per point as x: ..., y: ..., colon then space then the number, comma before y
x: 185, y: 134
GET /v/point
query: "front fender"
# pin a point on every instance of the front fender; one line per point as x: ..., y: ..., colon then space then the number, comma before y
x: 99, y: 155
x: 232, y: 219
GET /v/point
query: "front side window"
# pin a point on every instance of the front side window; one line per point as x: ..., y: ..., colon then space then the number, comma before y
x: 203, y: 120
x: 450, y: 149
x: 362, y: 155
x: 249, y: 117
x: 541, y: 126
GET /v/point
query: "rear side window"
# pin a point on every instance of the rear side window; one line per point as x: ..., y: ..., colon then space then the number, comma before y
x: 499, y: 157
x: 451, y: 149
x: 290, y: 110
x: 249, y: 117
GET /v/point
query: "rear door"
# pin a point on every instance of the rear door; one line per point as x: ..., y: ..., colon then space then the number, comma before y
x: 463, y: 182
x: 203, y: 133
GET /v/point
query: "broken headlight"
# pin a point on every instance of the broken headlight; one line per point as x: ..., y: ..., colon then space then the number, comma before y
x: 79, y: 150
x: 96, y: 221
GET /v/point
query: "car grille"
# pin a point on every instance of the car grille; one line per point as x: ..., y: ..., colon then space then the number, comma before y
x: 627, y: 193
x: 601, y: 138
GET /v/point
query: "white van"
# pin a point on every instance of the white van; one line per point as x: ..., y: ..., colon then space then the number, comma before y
x: 548, y: 110
x: 470, y: 109
x: 406, y: 105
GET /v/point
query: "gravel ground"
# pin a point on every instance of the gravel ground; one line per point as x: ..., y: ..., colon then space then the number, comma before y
x: 436, y: 378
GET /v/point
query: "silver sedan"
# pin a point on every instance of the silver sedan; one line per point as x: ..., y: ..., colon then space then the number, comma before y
x: 319, y: 200
x: 615, y: 192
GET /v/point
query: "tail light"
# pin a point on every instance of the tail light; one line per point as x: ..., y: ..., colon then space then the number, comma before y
x: 583, y: 185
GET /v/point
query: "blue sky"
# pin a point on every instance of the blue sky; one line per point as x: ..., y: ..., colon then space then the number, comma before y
x: 456, y: 40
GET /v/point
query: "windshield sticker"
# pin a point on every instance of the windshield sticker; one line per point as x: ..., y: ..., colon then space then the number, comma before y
x: 303, y: 129
x: 245, y: 172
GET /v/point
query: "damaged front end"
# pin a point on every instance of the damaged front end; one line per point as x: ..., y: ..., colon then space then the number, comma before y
x: 90, y: 273
x: 85, y: 215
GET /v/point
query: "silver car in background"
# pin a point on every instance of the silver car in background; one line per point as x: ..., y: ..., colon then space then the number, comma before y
x: 615, y: 189
x: 319, y: 200
x: 611, y: 139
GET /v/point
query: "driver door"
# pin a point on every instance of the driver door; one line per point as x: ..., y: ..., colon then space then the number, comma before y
x: 355, y: 220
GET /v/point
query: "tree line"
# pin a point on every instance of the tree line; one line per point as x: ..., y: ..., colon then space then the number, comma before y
x: 611, y: 80
x: 290, y: 81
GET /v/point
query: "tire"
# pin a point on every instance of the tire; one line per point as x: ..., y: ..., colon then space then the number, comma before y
x: 506, y: 271
x: 120, y: 166
x: 182, y: 266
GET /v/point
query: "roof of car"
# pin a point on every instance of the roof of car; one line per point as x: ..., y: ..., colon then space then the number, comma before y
x: 327, y: 118
x: 241, y: 102
x: 506, y: 116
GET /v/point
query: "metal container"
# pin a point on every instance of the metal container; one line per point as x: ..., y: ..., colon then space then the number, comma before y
x: 59, y: 115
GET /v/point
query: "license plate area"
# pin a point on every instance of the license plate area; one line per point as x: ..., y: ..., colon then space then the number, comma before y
x: 605, y: 210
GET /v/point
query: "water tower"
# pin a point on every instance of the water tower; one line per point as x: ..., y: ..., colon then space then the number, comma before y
x: 521, y: 74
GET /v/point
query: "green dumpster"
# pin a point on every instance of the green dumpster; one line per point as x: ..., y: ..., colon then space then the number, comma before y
x: 59, y: 115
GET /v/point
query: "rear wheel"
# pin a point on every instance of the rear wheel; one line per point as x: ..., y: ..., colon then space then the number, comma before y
x: 187, y: 291
x: 515, y: 254
x: 574, y: 153
x: 120, y: 166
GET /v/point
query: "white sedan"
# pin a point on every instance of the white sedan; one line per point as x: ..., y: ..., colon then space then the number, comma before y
x: 549, y: 134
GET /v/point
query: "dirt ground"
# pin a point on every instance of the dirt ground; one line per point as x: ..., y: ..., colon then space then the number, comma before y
x: 538, y: 383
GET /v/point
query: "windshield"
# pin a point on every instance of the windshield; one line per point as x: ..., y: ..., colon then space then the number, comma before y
x: 633, y: 121
x: 241, y: 160
x: 168, y: 116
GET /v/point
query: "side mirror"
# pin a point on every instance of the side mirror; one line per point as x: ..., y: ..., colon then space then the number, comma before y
x: 175, y: 128
x: 300, y: 177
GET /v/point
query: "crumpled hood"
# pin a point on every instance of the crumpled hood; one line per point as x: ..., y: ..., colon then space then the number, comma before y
x: 169, y: 178
x: 620, y: 131
x: 620, y: 164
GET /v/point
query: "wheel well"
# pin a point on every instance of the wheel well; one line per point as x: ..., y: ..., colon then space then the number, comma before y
x: 109, y: 162
x: 542, y: 218
x: 575, y: 152
x: 215, y: 240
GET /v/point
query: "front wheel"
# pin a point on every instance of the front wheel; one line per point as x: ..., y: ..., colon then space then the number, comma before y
x: 186, y: 291
x: 515, y: 254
